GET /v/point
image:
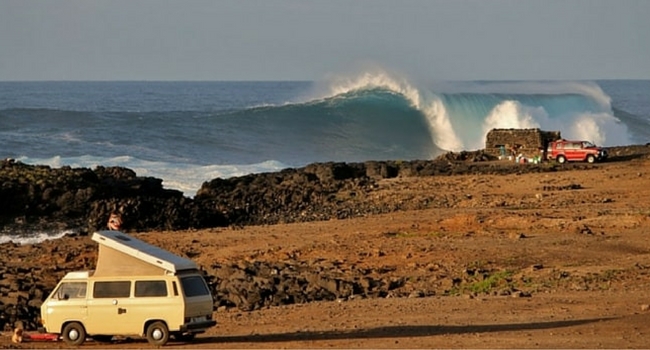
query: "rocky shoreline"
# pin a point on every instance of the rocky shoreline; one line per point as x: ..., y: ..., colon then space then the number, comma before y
x: 38, y: 196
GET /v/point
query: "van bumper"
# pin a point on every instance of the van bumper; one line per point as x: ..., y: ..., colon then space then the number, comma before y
x: 198, y: 325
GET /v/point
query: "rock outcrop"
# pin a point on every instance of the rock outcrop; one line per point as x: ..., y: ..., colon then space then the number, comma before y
x: 40, y: 198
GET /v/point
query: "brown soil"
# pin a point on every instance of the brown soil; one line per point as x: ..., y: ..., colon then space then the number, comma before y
x: 550, y: 260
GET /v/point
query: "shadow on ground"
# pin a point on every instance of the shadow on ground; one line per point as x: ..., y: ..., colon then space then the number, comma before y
x: 395, y: 332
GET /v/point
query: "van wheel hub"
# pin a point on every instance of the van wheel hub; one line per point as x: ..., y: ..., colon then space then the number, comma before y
x: 73, y: 334
x: 157, y: 334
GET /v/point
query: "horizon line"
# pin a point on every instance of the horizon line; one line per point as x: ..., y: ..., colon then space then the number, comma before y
x: 290, y: 80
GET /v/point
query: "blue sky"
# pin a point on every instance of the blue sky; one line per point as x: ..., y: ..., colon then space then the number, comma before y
x: 311, y: 40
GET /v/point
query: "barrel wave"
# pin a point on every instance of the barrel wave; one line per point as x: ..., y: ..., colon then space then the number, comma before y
x: 459, y: 116
x: 357, y: 125
x: 376, y: 117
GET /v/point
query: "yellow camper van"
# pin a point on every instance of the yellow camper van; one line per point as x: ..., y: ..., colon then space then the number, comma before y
x: 136, y: 289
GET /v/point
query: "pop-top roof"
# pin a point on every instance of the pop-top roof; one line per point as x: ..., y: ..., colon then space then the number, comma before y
x: 77, y: 275
x: 143, y: 251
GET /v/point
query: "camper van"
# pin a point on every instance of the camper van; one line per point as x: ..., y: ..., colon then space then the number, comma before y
x: 136, y: 289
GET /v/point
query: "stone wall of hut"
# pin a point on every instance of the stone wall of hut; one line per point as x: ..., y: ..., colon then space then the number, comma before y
x: 529, y: 142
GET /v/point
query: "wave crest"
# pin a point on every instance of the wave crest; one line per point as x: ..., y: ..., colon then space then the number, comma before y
x: 460, y: 117
x: 429, y: 104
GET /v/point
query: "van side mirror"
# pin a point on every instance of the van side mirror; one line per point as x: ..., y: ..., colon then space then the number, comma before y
x: 62, y: 296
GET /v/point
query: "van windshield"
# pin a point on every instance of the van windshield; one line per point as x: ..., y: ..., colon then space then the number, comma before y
x: 71, y: 290
x: 194, y: 286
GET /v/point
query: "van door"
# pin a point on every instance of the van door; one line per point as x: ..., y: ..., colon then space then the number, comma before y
x: 108, y: 309
x: 67, y: 303
x: 154, y: 303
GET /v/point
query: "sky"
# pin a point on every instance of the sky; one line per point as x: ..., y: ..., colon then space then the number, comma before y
x: 313, y: 40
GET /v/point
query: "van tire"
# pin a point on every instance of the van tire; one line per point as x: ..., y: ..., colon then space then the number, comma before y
x: 591, y: 158
x: 561, y: 159
x: 74, y: 334
x: 157, y: 333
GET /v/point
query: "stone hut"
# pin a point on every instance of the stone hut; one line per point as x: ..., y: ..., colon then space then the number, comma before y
x: 528, y: 142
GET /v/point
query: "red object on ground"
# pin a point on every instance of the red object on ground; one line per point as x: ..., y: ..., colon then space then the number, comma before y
x: 41, y: 337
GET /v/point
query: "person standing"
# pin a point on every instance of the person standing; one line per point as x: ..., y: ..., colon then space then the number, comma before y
x: 502, y: 152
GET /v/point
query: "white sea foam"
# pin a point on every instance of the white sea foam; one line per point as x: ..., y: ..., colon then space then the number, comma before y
x: 184, y: 177
x: 510, y: 114
x: 442, y: 133
x: 600, y: 128
x: 33, y: 238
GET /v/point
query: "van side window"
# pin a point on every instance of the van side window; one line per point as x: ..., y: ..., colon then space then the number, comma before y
x: 175, y: 288
x: 114, y: 289
x: 71, y: 290
x: 194, y: 286
x: 150, y: 289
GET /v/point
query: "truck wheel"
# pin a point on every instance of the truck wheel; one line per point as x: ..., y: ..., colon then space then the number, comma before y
x: 591, y: 158
x: 561, y: 159
x: 74, y: 334
x: 157, y: 333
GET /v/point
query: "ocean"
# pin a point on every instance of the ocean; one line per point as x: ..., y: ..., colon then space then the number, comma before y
x: 190, y: 132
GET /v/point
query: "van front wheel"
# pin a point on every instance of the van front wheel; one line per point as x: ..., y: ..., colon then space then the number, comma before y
x: 74, y: 334
x: 157, y: 333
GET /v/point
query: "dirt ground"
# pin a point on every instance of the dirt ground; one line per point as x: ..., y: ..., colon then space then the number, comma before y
x: 564, y: 259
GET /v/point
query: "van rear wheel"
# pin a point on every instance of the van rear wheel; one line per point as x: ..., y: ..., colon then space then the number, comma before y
x: 74, y: 334
x: 157, y: 333
x: 591, y: 158
x: 561, y: 159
